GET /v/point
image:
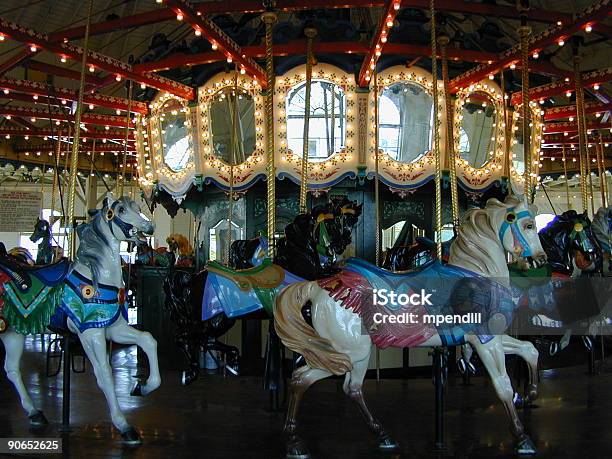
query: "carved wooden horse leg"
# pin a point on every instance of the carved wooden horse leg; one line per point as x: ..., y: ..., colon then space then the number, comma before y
x: 492, y: 356
x: 353, y: 388
x: 120, y: 332
x: 13, y: 347
x: 302, y: 379
x: 527, y: 351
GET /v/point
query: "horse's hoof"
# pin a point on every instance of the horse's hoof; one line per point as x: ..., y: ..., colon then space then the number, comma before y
x: 137, y: 390
x: 233, y: 369
x: 187, y: 377
x: 532, y: 393
x: 131, y: 437
x: 461, y: 365
x: 296, y: 448
x: 526, y: 447
x: 588, y: 343
x: 38, y: 419
x: 553, y: 349
x: 386, y: 443
x: 471, y: 368
x: 518, y: 401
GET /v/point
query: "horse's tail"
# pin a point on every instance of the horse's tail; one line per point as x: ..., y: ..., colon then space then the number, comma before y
x: 299, y: 336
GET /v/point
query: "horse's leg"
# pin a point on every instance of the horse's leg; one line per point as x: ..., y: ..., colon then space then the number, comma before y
x: 527, y: 351
x: 13, y: 348
x: 493, y: 358
x: 121, y: 332
x: 94, y: 344
x: 353, y: 388
x: 302, y: 379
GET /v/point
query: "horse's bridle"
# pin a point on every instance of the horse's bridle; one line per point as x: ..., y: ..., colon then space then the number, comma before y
x: 112, y: 217
x: 511, y: 222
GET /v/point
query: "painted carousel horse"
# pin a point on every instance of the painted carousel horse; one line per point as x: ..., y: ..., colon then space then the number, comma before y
x: 325, y: 320
x: 86, y: 297
x: 206, y: 305
x: 42, y: 233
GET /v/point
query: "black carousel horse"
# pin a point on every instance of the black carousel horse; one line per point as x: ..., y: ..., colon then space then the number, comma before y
x: 309, y: 250
x: 42, y: 233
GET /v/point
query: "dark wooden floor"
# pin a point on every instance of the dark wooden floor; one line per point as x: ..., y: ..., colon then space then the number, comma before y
x: 227, y: 418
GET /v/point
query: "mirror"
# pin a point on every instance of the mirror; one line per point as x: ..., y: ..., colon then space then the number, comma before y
x: 327, y: 122
x: 226, y: 127
x: 174, y: 135
x: 405, y: 117
x: 477, y: 131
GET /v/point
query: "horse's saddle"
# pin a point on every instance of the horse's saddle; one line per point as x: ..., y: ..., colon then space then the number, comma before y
x: 265, y: 276
x: 21, y: 274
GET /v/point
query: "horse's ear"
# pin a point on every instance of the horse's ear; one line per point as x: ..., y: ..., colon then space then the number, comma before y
x: 108, y: 201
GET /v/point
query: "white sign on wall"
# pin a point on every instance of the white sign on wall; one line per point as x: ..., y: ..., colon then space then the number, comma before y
x: 19, y: 210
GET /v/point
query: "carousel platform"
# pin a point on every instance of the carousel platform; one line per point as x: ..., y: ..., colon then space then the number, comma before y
x: 220, y: 417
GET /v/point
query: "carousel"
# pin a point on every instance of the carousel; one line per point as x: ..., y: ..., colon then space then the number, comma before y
x: 207, y: 208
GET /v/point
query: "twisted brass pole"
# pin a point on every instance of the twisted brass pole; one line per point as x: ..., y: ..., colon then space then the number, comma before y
x: 581, y: 132
x: 588, y: 170
x: 310, y: 34
x: 55, y: 172
x: 601, y: 169
x: 450, y: 141
x: 269, y: 19
x: 74, y: 163
x: 127, y: 136
x: 525, y: 32
x: 436, y: 128
x: 376, y: 170
x: 230, y: 206
x: 507, y: 129
x: 567, y: 194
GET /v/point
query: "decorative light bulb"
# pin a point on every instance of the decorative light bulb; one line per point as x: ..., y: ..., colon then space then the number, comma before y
x: 198, y: 32
x: 118, y: 78
x: 179, y: 17
x: 62, y: 59
x: 33, y: 48
x: 588, y: 28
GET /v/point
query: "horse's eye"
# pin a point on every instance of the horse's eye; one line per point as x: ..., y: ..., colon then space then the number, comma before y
x: 121, y: 210
x: 529, y: 226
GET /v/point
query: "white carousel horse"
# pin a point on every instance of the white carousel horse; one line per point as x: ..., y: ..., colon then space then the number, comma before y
x: 335, y: 342
x: 89, y: 296
x: 602, y: 229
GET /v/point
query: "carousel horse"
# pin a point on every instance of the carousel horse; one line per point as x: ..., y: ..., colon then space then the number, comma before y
x: 206, y: 305
x: 42, y: 233
x: 183, y: 252
x: 325, y: 320
x: 86, y: 297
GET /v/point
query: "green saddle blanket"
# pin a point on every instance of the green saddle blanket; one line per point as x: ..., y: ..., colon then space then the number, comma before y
x: 29, y: 312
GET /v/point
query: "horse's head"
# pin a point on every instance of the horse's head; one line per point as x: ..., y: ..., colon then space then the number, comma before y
x: 41, y: 229
x: 516, y: 228
x: 569, y: 242
x: 347, y: 214
x: 326, y: 230
x: 125, y: 219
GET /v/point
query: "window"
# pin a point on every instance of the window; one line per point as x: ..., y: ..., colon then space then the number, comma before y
x: 217, y: 243
x: 326, y: 129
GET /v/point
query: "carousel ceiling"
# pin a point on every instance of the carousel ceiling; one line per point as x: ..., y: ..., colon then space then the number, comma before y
x: 175, y: 47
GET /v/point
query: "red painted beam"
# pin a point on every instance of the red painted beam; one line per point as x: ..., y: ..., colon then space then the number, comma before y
x: 121, y: 69
x: 298, y: 47
x: 86, y: 118
x: 559, y: 128
x: 60, y: 71
x: 255, y: 6
x: 556, y: 113
x: 557, y: 139
x: 550, y: 36
x: 14, y: 60
x: 591, y: 79
x: 109, y: 135
x: 203, y: 25
x: 40, y: 90
x: 378, y: 41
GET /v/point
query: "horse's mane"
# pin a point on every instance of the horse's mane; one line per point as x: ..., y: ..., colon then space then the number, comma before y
x: 92, y: 245
x: 184, y: 247
x: 476, y: 233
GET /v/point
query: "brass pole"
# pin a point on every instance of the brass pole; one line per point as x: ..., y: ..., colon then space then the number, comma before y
x: 376, y: 170
x: 588, y: 168
x: 436, y: 128
x: 601, y: 169
x: 310, y: 34
x: 55, y: 172
x: 74, y: 163
x: 230, y: 206
x: 127, y: 135
x: 269, y: 19
x: 567, y: 193
x: 581, y: 132
x: 525, y: 32
x: 507, y: 129
x: 443, y: 40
